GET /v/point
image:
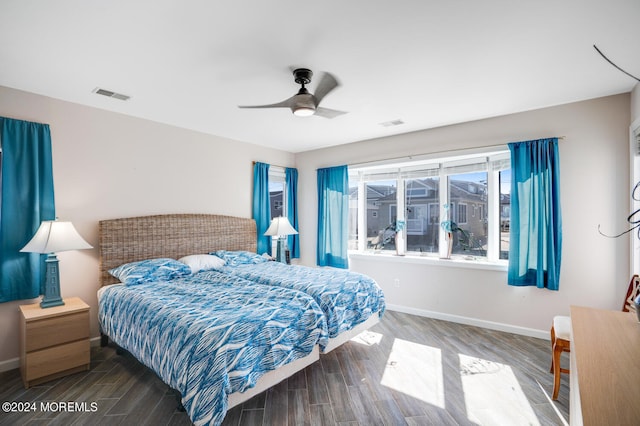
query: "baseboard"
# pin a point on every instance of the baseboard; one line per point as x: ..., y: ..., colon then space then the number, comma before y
x: 531, y: 332
x: 12, y: 364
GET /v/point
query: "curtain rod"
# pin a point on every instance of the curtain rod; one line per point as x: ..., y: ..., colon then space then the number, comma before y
x: 413, y: 156
x: 495, y: 146
x: 274, y: 165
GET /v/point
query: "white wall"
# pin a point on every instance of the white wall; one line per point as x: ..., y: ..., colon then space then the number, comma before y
x: 594, y: 158
x: 108, y: 165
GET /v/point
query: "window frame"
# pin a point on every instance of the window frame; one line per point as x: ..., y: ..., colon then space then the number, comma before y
x: 442, y: 166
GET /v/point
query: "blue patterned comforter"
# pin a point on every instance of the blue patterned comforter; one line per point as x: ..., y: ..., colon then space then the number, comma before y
x: 209, y: 334
x: 347, y: 298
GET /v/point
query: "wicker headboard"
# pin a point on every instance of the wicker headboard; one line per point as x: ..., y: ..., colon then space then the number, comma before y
x: 173, y: 235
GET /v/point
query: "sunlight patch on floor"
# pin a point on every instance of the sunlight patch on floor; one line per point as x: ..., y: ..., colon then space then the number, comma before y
x: 415, y: 370
x: 492, y: 393
x: 368, y: 338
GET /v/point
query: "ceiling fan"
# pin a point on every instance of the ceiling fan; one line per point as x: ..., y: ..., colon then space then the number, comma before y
x: 303, y: 103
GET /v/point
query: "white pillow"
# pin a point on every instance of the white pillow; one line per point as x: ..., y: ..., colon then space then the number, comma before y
x: 202, y: 262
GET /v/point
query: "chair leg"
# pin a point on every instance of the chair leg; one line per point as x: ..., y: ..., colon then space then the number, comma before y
x: 555, y: 364
x: 553, y: 342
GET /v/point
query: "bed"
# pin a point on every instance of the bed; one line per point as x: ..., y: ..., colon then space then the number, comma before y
x: 208, y: 334
x: 174, y: 236
x: 347, y: 298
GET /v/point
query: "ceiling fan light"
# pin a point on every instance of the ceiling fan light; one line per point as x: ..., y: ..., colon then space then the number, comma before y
x: 304, y: 111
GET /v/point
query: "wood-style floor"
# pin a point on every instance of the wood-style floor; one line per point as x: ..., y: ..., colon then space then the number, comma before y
x: 407, y: 370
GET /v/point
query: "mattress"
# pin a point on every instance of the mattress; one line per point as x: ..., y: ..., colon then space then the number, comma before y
x: 346, y: 298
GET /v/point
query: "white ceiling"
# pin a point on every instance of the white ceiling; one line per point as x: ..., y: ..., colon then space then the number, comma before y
x: 427, y: 63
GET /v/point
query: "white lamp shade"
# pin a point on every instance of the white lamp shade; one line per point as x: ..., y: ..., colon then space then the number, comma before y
x: 280, y: 226
x: 53, y: 236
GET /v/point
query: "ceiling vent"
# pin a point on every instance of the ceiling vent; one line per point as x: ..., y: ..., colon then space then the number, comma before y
x: 111, y: 94
x: 392, y: 123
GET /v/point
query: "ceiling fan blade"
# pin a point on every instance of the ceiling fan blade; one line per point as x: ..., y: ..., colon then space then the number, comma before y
x: 288, y: 103
x: 328, y: 113
x: 326, y: 85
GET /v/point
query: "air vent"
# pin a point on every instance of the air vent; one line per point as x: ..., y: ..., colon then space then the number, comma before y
x: 111, y: 94
x: 638, y: 142
x: 392, y: 123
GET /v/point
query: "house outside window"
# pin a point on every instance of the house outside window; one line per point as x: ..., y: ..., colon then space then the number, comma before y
x: 467, y: 193
x: 422, y: 216
x: 381, y: 214
x: 505, y: 211
x: 276, y: 198
x: 469, y: 189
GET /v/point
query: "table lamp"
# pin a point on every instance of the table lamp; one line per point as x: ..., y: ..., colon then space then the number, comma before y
x: 51, y: 237
x: 281, y: 228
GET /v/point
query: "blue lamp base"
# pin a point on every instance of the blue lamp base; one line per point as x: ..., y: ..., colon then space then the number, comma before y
x: 281, y: 251
x: 51, y: 296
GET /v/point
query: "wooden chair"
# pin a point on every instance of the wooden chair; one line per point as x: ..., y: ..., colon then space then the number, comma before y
x: 560, y: 342
x: 632, y: 293
x: 561, y: 334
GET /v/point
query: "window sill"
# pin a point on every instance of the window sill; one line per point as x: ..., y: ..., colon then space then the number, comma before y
x: 454, y: 262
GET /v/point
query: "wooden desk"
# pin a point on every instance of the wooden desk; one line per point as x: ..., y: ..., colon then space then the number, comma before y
x: 605, y: 367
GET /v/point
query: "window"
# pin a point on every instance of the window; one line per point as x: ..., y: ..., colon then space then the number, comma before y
x: 471, y: 190
x: 422, y: 215
x: 277, y: 199
x: 381, y: 214
x: 461, y: 214
x: 276, y: 196
x: 468, y: 191
x: 505, y: 211
x: 276, y: 192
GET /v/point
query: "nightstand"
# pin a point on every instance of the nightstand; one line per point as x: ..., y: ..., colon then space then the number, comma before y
x: 54, y: 341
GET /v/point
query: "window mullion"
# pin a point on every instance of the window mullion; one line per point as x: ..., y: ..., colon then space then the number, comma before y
x: 401, y: 247
x: 493, y: 216
x: 362, y: 216
x: 285, y: 200
x: 445, y: 214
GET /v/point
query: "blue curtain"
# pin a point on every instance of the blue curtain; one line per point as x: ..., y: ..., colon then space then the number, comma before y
x: 535, y: 234
x: 27, y: 199
x: 291, y: 191
x: 333, y: 216
x: 262, y: 205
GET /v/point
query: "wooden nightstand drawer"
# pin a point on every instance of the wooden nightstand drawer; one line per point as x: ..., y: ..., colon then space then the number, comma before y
x: 58, y: 358
x: 57, y: 330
